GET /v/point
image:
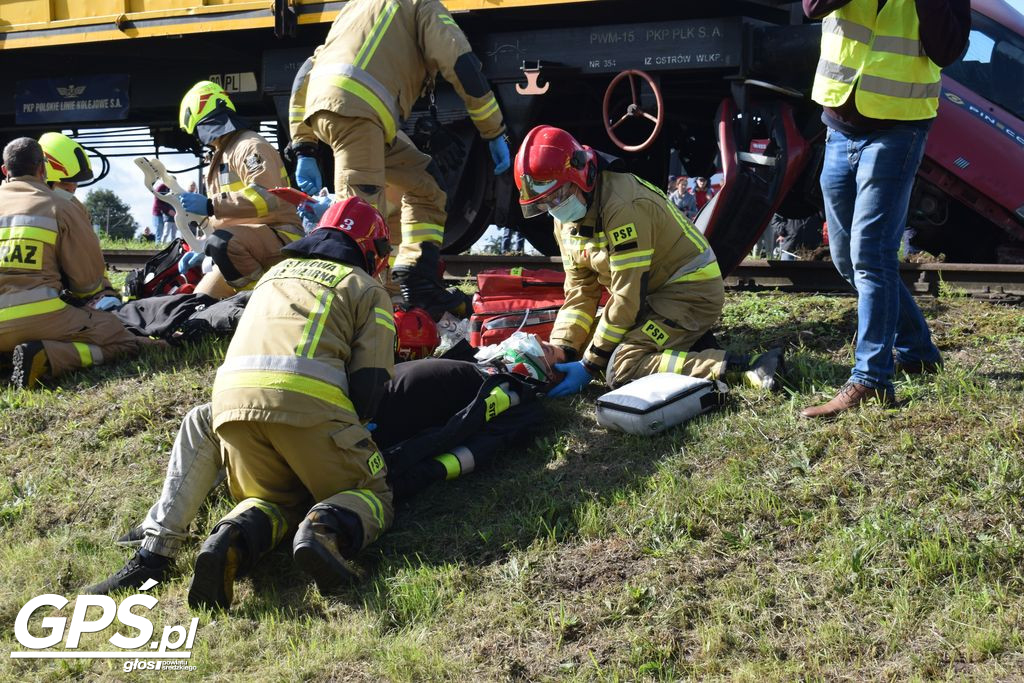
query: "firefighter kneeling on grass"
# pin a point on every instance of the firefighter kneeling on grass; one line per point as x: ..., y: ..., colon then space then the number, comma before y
x: 250, y: 225
x: 619, y: 232
x: 52, y: 276
x: 308, y: 362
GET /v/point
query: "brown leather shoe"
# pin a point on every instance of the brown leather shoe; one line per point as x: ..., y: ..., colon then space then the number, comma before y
x: 850, y: 396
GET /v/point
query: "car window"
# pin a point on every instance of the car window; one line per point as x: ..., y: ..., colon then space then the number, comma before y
x: 993, y: 65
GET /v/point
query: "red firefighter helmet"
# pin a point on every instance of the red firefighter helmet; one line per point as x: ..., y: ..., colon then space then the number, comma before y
x: 416, y: 334
x: 367, y: 228
x: 549, y: 163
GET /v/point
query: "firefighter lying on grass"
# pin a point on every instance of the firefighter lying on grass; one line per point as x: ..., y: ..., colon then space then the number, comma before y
x: 425, y: 436
x: 308, y: 365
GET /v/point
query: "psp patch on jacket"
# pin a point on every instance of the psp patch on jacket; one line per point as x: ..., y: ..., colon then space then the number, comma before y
x: 254, y: 162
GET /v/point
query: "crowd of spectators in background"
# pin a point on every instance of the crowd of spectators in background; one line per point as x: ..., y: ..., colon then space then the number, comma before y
x: 689, y: 198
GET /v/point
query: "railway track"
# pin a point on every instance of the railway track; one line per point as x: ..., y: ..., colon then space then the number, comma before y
x: 995, y: 281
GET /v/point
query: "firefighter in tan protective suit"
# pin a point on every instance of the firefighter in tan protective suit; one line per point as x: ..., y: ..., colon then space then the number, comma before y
x: 618, y: 232
x: 47, y: 246
x: 354, y: 93
x: 309, y: 361
x: 249, y: 224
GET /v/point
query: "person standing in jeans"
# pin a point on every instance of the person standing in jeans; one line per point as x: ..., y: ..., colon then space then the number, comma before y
x: 878, y: 81
x: 163, y: 217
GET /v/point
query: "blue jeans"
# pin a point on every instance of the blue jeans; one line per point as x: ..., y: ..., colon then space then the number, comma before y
x: 866, y: 181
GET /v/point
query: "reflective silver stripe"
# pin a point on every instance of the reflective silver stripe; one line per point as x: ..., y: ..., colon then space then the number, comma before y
x: 97, y: 354
x: 837, y: 72
x: 845, y: 28
x: 364, y: 77
x: 467, y: 463
x: 28, y: 296
x: 887, y: 86
x: 32, y: 221
x: 898, y: 46
x: 300, y: 366
x: 703, y: 259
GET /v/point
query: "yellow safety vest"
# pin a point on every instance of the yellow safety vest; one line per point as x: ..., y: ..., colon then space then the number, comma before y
x: 880, y: 56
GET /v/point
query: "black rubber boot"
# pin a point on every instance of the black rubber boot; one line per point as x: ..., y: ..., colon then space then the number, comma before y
x: 219, y: 561
x: 29, y: 365
x: 140, y: 568
x: 319, y: 542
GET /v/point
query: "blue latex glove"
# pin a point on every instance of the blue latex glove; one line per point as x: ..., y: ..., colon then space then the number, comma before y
x: 500, y: 154
x: 307, y: 175
x: 108, y: 303
x: 189, y: 260
x: 370, y: 426
x: 576, y: 377
x: 315, y: 208
x: 195, y: 203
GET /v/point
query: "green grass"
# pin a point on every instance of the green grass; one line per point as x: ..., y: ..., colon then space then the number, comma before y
x: 108, y: 242
x: 746, y: 545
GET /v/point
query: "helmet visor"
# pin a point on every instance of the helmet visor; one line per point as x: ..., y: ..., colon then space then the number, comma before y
x: 546, y: 201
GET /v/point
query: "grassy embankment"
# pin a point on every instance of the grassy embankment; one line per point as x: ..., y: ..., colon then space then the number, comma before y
x: 747, y: 545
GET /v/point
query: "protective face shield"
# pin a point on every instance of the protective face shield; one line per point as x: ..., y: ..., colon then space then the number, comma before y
x: 202, y: 100
x: 66, y: 160
x: 548, y: 161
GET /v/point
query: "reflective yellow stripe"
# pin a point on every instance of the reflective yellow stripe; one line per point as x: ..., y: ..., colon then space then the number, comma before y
x: 484, y: 112
x: 380, y: 27
x: 422, y: 232
x: 484, y: 115
x: 451, y: 464
x: 232, y: 187
x: 84, y: 354
x: 594, y: 242
x: 28, y: 232
x: 496, y: 402
x: 278, y: 523
x: 371, y: 501
x: 610, y: 333
x: 486, y: 105
x: 384, y: 317
x: 672, y: 361
x: 362, y: 92
x: 639, y: 258
x: 314, y: 326
x: 574, y: 317
x: 283, y: 381
x: 689, y: 229
x: 257, y: 200
x: 446, y: 19
x: 708, y: 272
x: 27, y: 310
x: 284, y: 173
x: 296, y: 114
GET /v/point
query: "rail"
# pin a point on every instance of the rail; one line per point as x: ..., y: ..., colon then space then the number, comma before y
x: 975, y: 279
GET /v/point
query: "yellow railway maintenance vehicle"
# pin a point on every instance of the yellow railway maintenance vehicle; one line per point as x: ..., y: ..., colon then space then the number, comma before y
x: 710, y: 87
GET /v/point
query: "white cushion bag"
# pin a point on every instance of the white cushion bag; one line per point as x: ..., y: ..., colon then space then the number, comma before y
x: 657, y: 402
